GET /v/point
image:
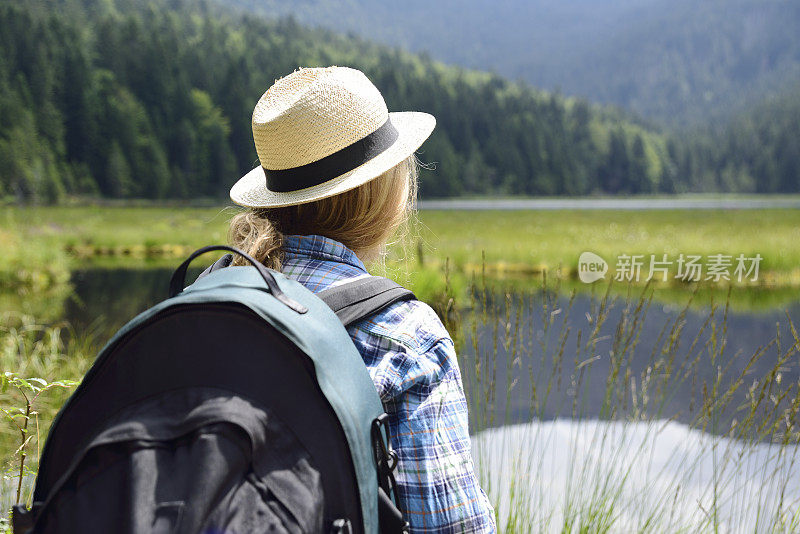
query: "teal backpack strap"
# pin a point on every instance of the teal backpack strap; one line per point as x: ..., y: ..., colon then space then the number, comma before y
x: 359, y: 299
x: 224, y: 261
x: 353, y: 302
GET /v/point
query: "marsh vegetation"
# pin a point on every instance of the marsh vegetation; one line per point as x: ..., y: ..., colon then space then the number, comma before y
x: 600, y: 407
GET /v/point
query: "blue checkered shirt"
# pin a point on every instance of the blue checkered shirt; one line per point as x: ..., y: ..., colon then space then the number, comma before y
x: 412, y: 361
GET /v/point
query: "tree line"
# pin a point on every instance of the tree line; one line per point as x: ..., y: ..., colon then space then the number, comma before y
x: 134, y: 99
x: 680, y: 62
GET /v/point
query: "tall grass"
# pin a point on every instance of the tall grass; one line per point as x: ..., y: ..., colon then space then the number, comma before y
x: 582, y: 422
x: 38, y: 370
x: 621, y: 432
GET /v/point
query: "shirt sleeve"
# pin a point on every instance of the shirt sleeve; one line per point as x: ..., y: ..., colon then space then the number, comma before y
x: 437, y: 487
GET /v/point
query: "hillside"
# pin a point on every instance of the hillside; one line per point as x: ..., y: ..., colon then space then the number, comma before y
x: 757, y: 151
x: 153, y: 99
x: 681, y: 62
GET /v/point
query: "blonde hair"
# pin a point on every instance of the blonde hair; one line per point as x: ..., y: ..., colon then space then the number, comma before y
x: 362, y: 219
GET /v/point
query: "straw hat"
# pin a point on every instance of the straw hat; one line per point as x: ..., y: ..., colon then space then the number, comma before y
x: 323, y: 131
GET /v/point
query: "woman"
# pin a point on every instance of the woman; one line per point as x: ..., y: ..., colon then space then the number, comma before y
x: 337, y: 177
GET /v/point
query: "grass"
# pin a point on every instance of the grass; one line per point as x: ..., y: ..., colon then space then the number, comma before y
x: 38, y: 371
x: 495, y: 280
x: 568, y: 462
x: 578, y: 462
x: 549, y: 239
x: 41, y: 244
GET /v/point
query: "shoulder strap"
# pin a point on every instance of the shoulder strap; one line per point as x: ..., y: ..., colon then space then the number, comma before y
x: 351, y: 301
x: 357, y: 300
x: 224, y: 261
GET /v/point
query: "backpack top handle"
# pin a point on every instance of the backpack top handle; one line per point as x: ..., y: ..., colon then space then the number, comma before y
x: 178, y: 279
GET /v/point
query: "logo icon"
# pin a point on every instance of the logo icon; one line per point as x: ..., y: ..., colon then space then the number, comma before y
x: 591, y: 267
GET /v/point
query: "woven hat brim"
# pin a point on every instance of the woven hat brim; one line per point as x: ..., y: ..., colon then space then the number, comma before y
x: 413, y: 129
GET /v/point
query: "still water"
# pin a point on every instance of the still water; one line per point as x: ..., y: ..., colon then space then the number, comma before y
x: 635, y: 203
x: 514, y: 346
x: 518, y: 347
x: 547, y: 458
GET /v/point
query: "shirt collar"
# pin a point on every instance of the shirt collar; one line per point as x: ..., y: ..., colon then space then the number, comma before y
x: 321, y: 248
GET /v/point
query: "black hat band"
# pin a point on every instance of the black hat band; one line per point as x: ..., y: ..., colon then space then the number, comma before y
x: 336, y: 164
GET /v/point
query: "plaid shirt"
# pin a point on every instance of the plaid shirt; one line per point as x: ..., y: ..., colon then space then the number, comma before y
x: 412, y: 361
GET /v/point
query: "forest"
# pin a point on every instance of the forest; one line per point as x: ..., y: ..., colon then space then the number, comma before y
x: 680, y: 62
x: 135, y: 99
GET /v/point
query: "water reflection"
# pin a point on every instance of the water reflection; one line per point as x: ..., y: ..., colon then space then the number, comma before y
x: 104, y: 299
x: 517, y: 345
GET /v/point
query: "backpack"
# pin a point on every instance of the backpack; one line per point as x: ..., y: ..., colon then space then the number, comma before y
x: 239, y: 404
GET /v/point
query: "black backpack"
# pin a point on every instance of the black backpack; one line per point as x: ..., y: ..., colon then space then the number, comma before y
x: 237, y: 405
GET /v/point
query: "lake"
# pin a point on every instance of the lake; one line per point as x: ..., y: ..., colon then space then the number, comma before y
x: 692, y: 202
x: 104, y: 299
x: 582, y: 438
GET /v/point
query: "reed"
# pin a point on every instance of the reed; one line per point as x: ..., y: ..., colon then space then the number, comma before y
x: 581, y: 422
x: 38, y: 369
x: 621, y: 432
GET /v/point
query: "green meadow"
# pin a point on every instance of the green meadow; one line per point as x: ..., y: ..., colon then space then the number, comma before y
x: 40, y: 245
x: 553, y: 238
